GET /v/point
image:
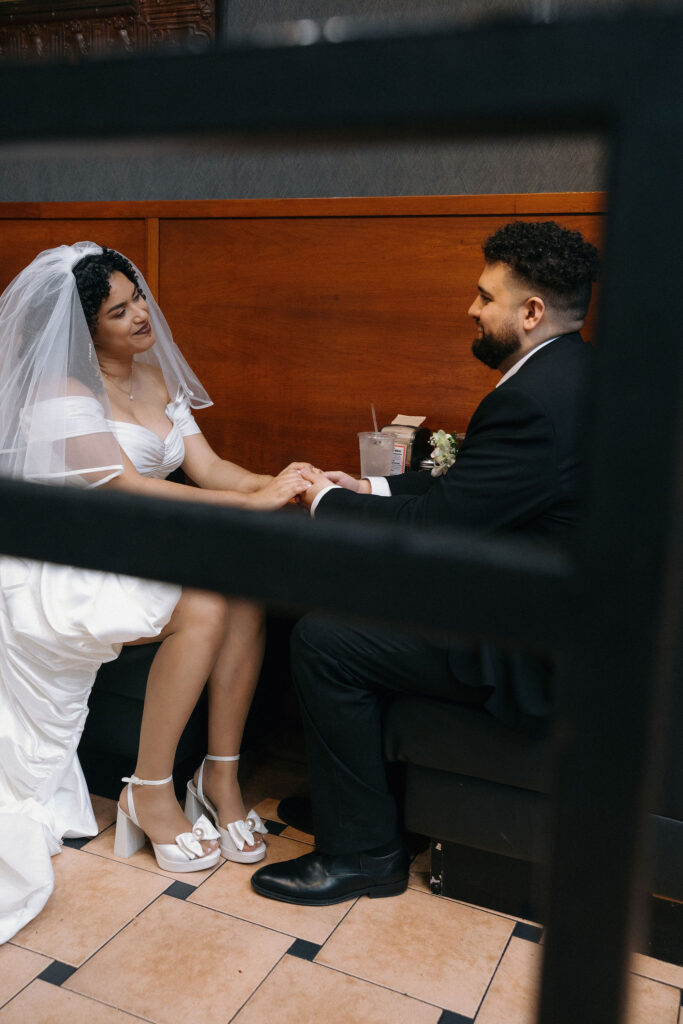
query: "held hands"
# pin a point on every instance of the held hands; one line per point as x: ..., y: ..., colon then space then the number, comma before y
x: 319, y: 481
x: 302, y: 482
x: 284, y: 487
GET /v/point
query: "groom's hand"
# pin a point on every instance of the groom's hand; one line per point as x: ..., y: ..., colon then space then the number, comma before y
x: 336, y: 476
x: 318, y: 482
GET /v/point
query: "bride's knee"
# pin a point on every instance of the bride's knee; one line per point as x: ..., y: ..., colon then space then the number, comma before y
x: 245, y: 617
x: 203, y: 613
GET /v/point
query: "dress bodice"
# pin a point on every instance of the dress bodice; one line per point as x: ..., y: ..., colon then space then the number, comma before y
x: 152, y: 455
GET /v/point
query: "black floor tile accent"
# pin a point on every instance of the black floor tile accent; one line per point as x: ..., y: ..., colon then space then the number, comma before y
x: 76, y: 844
x: 448, y: 1017
x: 56, y: 972
x: 181, y: 890
x: 304, y: 950
x: 274, y: 827
x: 530, y: 932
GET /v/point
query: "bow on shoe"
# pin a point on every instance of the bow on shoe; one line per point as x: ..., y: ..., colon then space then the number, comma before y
x: 190, y: 842
x: 242, y: 832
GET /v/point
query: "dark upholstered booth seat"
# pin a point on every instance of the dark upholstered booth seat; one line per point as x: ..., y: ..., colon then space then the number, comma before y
x: 482, y: 791
x: 484, y: 784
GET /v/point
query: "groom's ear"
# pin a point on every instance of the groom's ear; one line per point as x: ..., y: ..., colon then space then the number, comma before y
x: 534, y: 311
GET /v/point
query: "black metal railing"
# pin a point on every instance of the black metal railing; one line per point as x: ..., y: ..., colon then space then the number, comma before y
x: 610, y: 612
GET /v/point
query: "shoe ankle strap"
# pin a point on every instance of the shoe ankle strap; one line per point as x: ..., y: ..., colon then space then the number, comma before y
x: 146, y: 782
x: 200, y: 777
x: 133, y: 780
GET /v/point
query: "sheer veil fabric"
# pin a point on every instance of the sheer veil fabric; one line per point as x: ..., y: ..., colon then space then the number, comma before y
x: 47, y: 355
x: 58, y: 624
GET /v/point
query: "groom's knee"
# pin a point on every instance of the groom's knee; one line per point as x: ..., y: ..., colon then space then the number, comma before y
x: 310, y: 639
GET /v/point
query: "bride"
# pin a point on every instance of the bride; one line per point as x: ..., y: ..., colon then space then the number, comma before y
x: 94, y: 393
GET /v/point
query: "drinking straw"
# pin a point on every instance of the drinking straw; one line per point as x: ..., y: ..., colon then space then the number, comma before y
x: 374, y: 417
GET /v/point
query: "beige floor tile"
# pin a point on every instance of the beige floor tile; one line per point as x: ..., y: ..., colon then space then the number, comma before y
x: 420, y: 872
x: 500, y: 913
x: 92, y: 899
x: 513, y: 995
x: 649, y: 1002
x: 18, y: 967
x: 178, y: 963
x: 418, y: 944
x: 103, y: 846
x: 268, y: 809
x: 229, y: 890
x: 680, y: 1016
x: 300, y: 837
x: 104, y: 810
x: 298, y: 992
x: 658, y: 970
x: 42, y: 1003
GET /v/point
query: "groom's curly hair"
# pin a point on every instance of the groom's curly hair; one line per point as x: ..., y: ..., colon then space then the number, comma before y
x: 92, y: 275
x: 558, y: 262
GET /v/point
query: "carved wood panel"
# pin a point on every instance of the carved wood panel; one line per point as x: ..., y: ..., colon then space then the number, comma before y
x: 38, y: 30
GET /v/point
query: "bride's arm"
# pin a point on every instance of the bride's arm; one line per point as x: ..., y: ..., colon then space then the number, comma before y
x: 276, y: 493
x: 208, y: 470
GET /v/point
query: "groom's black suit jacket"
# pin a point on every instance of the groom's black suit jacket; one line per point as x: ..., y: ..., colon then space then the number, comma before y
x: 518, y: 472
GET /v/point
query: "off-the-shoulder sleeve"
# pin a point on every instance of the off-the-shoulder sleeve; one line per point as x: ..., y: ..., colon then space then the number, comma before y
x: 181, y: 414
x: 58, y: 418
x: 69, y: 440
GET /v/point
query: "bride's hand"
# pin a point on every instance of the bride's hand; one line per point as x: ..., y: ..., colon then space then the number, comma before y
x: 281, y: 489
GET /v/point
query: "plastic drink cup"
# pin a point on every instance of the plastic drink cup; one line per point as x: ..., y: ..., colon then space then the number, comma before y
x: 376, y: 453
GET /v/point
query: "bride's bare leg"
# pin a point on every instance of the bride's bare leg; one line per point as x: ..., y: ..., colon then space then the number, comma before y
x: 231, y: 688
x: 191, y: 643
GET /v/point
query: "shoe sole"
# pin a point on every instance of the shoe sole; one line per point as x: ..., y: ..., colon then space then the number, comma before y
x: 373, y: 891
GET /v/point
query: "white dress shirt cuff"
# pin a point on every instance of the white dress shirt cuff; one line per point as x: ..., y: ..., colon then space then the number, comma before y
x: 319, y: 495
x: 379, y: 485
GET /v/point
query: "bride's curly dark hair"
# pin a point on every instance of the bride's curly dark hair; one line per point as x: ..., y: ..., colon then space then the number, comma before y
x: 92, y: 275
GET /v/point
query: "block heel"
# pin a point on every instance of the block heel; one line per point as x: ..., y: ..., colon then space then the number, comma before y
x: 129, y: 837
x: 185, y: 854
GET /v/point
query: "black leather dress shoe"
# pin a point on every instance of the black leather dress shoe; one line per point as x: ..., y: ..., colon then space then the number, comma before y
x: 320, y: 879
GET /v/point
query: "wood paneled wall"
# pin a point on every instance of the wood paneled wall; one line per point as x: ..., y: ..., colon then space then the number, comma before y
x: 297, y: 314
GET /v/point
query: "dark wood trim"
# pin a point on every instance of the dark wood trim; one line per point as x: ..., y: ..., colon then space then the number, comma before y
x: 545, y: 203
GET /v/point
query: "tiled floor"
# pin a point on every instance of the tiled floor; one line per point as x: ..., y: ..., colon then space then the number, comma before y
x: 121, y: 941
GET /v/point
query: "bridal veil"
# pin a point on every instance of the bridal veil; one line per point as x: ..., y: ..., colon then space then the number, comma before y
x: 46, y: 356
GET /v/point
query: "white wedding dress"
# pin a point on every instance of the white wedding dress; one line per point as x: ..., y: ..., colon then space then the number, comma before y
x: 58, y: 624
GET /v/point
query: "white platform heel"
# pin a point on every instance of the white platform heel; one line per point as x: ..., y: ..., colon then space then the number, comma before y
x: 185, y: 854
x: 237, y: 836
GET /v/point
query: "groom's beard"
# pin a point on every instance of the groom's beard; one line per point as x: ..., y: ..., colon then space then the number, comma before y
x: 493, y: 347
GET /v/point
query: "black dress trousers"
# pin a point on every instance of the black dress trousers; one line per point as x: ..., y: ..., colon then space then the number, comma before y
x: 343, y: 675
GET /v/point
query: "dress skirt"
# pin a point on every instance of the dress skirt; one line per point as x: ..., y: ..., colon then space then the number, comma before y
x: 58, y: 624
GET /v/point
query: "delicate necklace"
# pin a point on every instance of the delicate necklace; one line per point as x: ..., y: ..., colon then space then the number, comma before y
x: 127, y: 390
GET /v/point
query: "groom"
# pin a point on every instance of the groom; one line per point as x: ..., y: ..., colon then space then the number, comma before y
x: 518, y: 472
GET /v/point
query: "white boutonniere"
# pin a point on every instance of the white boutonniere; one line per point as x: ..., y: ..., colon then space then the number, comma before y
x: 444, y: 451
